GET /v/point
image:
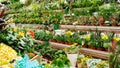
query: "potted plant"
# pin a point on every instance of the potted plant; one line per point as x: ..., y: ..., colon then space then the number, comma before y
x: 107, y: 39
x: 114, y: 55
x: 62, y: 61
x: 107, y: 46
x: 92, y: 45
x: 101, y: 20
x: 72, y: 53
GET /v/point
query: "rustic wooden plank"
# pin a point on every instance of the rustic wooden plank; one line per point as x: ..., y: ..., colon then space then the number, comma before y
x: 58, y: 45
x: 85, y: 51
x: 94, y: 53
x: 92, y: 28
x: 55, y: 45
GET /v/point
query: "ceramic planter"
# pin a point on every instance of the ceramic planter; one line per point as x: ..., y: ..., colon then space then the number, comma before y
x: 73, y: 59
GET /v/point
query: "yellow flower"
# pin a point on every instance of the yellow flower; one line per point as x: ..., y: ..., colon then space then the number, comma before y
x: 101, y: 64
x: 6, y: 54
x: 105, y: 37
x: 116, y: 39
x: 84, y: 59
x: 87, y: 37
x: 10, y: 20
x: 48, y: 32
x: 14, y: 29
x: 69, y: 33
x: 21, y: 34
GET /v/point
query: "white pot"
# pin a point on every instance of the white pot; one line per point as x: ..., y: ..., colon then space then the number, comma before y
x: 95, y: 14
x: 73, y: 59
x: 59, y: 32
x: 12, y: 25
x: 23, y: 1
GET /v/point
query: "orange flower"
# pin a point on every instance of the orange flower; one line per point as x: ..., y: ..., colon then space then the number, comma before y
x: 32, y: 33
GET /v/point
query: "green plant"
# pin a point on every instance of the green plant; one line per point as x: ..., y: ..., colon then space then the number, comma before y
x: 107, y: 45
x: 59, y: 38
x: 103, y: 11
x: 62, y: 62
x: 15, y: 5
x: 114, y: 60
x: 46, y: 51
x: 55, y: 18
x: 43, y: 35
x: 17, y: 40
x: 72, y: 49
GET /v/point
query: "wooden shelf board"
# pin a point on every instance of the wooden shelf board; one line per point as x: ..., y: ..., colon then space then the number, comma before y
x: 92, y: 28
x: 85, y: 51
x: 94, y: 53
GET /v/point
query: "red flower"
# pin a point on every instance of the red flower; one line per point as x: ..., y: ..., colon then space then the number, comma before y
x: 32, y: 33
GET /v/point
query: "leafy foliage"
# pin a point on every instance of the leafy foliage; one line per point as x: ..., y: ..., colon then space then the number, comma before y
x: 43, y: 35
x: 20, y: 44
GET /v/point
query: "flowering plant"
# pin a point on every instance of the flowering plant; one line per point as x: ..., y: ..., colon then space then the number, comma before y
x: 69, y: 33
x: 43, y: 35
x: 17, y: 39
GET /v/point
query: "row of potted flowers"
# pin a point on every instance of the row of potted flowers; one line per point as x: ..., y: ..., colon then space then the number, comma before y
x: 93, y: 40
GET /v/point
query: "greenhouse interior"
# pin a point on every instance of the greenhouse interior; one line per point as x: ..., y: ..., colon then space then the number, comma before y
x: 59, y: 33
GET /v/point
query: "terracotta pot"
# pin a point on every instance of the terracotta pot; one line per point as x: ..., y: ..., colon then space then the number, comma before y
x: 50, y: 59
x: 60, y: 42
x: 92, y: 47
x: 113, y: 22
x: 85, y: 46
x: 66, y: 43
x: 70, y: 43
x: 53, y: 40
x: 100, y: 49
x: 101, y: 21
x: 31, y: 54
x: 106, y: 49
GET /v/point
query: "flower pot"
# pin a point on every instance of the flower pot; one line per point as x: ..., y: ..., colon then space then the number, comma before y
x: 12, y: 25
x: 66, y: 43
x: 100, y: 49
x: 60, y: 42
x: 92, y: 47
x: 101, y: 21
x: 107, y: 50
x: 70, y: 43
x: 73, y: 59
x: 85, y: 46
x: 52, y: 40
x: 59, y: 32
x: 50, y: 58
x: 31, y: 54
